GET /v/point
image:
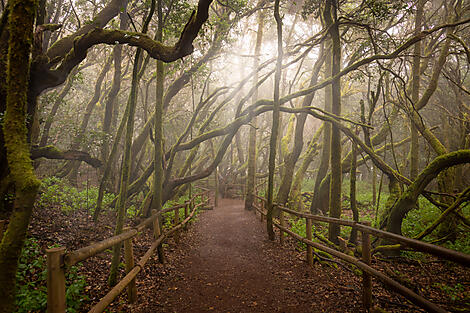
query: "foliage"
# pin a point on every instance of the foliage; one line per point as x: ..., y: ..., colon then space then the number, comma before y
x: 298, y: 227
x: 31, y: 280
x: 169, y: 217
x: 55, y: 192
x: 455, y: 293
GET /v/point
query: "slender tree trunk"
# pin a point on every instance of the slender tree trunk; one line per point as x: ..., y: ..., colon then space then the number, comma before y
x: 292, y: 157
x: 414, y: 149
x: 158, y: 140
x: 299, y: 175
x: 320, y: 199
x: 335, y: 156
x: 111, y: 100
x: 122, y: 197
x: 251, y: 174
x: 55, y: 107
x: 275, y: 124
x: 72, y: 166
x: 126, y: 162
x: 352, y: 192
x: 20, y: 23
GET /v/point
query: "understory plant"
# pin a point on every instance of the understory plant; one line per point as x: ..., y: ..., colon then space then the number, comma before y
x: 31, y: 282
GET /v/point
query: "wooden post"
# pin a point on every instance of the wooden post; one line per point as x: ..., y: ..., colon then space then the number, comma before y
x: 129, y: 260
x: 186, y: 213
x: 283, y: 224
x: 2, y: 228
x: 308, y: 226
x: 282, y: 219
x: 55, y: 280
x: 366, y: 278
x: 157, y: 233
x: 263, y: 207
x: 175, y: 222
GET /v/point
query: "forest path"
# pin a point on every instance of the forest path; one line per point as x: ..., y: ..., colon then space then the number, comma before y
x: 224, y: 263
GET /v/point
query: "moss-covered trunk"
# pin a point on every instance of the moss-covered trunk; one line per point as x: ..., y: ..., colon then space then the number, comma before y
x: 335, y: 155
x: 352, y: 192
x: 299, y: 175
x: 126, y: 161
x: 251, y: 173
x: 414, y: 148
x: 55, y: 107
x: 275, y: 125
x: 408, y: 199
x: 320, y: 201
x: 157, y: 201
x: 293, y: 156
x: 21, y: 21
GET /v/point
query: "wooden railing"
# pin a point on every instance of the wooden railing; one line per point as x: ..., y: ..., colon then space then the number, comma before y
x: 58, y: 260
x: 365, y: 263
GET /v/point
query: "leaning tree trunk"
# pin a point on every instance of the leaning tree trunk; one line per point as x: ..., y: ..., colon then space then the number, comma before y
x: 72, y: 167
x: 126, y: 161
x: 320, y: 200
x: 157, y: 201
x: 299, y: 175
x: 122, y: 197
x: 251, y: 174
x: 414, y: 148
x: 408, y: 199
x: 293, y: 156
x: 275, y: 124
x: 20, y: 24
x: 55, y: 107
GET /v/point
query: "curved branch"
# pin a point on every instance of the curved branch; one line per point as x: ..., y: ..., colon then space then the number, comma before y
x: 44, y: 77
x: 51, y: 152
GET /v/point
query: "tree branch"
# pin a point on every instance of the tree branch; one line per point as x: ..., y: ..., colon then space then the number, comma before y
x: 51, y: 152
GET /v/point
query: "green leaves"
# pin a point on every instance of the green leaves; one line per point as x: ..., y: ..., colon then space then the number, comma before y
x: 31, y: 280
x: 56, y: 193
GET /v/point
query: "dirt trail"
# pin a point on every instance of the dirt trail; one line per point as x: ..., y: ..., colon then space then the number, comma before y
x: 225, y: 263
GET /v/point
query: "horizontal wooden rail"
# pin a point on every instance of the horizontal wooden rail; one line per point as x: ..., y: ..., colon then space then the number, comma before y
x: 58, y: 260
x: 84, y: 253
x: 449, y: 254
x: 116, y: 290
x: 409, y: 294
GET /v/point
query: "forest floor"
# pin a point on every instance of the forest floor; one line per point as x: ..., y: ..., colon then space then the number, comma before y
x: 224, y: 263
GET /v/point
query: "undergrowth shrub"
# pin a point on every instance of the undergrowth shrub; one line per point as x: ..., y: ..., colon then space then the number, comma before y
x: 56, y: 193
x: 31, y: 282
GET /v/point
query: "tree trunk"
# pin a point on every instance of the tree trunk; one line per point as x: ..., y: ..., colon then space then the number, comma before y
x: 157, y: 201
x: 251, y: 174
x: 20, y: 23
x: 293, y: 156
x: 55, y: 107
x: 126, y: 162
x: 275, y: 124
x: 414, y: 149
x: 319, y: 201
x: 352, y: 192
x: 335, y: 156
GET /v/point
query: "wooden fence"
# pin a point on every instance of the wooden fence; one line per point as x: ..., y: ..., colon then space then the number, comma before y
x: 58, y: 260
x: 365, y: 262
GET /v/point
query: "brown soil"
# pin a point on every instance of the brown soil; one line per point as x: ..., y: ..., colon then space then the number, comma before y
x: 226, y: 264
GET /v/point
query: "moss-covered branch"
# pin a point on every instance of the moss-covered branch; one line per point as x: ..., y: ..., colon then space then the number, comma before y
x: 408, y: 199
x: 47, y: 75
x: 51, y: 152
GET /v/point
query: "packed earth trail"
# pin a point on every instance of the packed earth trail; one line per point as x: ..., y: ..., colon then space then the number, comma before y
x: 225, y: 263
